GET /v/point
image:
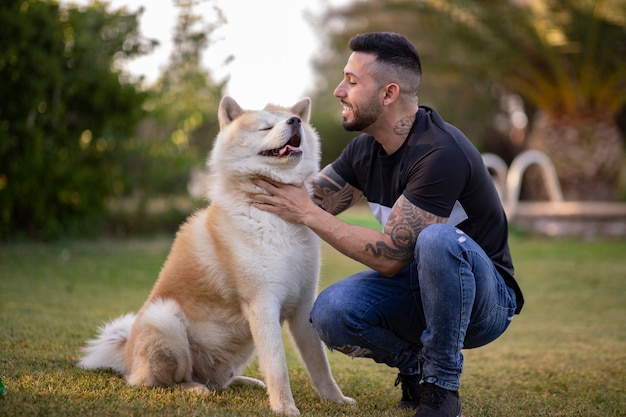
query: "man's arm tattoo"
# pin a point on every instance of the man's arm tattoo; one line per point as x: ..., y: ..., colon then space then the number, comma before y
x: 332, y: 193
x: 403, y: 229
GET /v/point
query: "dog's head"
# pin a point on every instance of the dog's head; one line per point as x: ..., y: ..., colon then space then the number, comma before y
x: 275, y: 142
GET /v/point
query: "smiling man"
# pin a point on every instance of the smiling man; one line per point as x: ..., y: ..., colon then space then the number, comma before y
x: 440, y: 274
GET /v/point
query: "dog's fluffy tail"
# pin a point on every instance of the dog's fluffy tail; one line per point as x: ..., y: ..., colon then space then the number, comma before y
x: 107, y: 350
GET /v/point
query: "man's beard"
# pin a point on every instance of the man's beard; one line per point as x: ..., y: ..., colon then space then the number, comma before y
x: 364, y: 116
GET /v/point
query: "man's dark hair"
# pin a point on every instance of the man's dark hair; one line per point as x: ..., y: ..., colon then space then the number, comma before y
x: 395, y: 52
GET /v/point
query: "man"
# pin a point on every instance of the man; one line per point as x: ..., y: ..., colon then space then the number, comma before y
x: 441, y: 274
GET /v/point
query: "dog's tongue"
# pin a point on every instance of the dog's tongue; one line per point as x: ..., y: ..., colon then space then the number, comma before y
x: 289, y: 148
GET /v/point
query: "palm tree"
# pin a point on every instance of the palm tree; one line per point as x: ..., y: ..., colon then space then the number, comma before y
x: 565, y: 58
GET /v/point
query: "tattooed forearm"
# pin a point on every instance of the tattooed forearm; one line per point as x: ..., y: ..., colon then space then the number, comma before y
x: 403, y: 126
x: 382, y: 249
x: 404, y: 224
x: 333, y: 193
x: 402, y: 244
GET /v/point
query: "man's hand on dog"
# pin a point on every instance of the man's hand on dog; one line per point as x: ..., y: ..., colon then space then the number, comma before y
x: 291, y: 203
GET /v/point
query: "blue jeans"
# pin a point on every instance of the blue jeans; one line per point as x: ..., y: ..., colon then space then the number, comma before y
x: 451, y: 297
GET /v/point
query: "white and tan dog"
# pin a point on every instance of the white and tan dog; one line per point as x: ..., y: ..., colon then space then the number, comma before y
x: 233, y: 276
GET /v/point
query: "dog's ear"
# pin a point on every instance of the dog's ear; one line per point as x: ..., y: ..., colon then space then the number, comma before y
x: 228, y: 111
x: 302, y: 109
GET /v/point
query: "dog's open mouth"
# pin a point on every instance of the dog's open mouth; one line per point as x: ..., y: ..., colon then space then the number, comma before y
x: 292, y: 147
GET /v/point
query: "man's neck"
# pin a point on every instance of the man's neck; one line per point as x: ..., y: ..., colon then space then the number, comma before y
x: 392, y: 135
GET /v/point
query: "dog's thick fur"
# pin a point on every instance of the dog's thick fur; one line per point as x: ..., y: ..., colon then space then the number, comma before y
x: 233, y: 275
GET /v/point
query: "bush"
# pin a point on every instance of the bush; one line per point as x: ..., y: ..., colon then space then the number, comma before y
x: 63, y: 114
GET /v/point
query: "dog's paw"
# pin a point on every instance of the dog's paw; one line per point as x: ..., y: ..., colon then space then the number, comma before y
x: 286, y: 409
x: 195, y: 387
x: 333, y: 394
x: 245, y: 380
x: 346, y: 401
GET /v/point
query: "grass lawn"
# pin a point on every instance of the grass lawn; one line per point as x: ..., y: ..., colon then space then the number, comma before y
x: 565, y: 355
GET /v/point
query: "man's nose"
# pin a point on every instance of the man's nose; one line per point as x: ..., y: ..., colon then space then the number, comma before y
x: 339, y: 91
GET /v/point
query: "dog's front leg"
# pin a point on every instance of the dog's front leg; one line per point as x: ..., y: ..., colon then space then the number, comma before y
x: 314, y: 358
x: 264, y: 318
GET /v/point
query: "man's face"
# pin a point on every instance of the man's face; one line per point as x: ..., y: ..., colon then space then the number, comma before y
x: 359, y: 93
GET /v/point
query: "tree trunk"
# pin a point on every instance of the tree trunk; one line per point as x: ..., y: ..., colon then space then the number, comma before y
x: 586, y: 153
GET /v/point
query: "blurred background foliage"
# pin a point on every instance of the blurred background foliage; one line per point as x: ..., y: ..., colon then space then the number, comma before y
x: 87, y: 149
x: 84, y: 147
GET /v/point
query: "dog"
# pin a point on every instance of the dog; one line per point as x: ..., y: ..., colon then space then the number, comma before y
x: 233, y: 276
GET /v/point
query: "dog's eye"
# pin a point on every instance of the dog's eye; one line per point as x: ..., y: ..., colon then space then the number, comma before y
x: 266, y: 128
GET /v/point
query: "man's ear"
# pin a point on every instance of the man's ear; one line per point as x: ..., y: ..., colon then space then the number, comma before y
x: 391, y: 93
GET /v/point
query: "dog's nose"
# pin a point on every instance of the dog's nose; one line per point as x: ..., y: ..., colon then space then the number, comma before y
x: 293, y: 121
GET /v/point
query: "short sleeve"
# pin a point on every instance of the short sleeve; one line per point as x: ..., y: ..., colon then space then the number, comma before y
x: 436, y: 180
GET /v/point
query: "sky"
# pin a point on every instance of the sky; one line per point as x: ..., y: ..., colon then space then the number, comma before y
x: 271, y: 41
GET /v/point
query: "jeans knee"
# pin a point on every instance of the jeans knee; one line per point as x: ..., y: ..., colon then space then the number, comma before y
x: 324, y: 315
x: 433, y: 238
x: 432, y: 233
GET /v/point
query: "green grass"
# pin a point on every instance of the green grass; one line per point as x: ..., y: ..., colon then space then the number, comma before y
x: 565, y: 355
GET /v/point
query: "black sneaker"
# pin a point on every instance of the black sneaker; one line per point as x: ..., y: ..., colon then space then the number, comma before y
x: 411, y: 391
x: 438, y: 402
